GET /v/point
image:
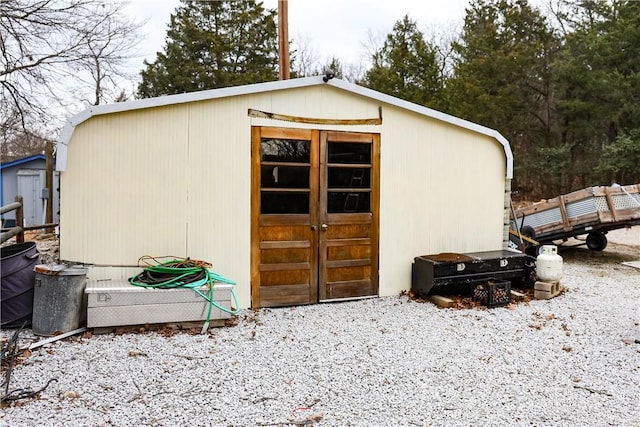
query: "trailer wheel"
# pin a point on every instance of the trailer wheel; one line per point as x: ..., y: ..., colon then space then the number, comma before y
x: 528, y: 231
x: 596, y: 241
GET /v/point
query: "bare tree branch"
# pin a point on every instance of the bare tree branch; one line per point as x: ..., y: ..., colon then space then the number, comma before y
x: 56, y: 55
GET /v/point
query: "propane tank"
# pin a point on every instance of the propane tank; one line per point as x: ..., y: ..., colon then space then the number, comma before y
x: 549, y: 264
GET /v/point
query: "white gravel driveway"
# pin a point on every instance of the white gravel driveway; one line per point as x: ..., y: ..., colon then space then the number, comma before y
x: 570, y: 361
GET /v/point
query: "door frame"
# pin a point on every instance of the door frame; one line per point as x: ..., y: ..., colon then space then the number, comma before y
x: 317, y: 240
x: 352, y: 219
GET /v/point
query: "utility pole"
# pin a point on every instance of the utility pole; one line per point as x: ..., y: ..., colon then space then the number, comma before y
x: 283, y: 38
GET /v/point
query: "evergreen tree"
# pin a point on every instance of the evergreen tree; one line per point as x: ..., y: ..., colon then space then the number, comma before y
x: 502, y: 80
x: 214, y: 44
x: 620, y: 160
x: 406, y: 66
x: 597, y: 79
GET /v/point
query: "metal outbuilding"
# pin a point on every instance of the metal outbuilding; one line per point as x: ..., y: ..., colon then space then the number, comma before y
x: 26, y: 177
x: 300, y: 190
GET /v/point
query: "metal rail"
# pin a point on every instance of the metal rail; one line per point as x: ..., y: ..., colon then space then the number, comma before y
x: 18, y: 230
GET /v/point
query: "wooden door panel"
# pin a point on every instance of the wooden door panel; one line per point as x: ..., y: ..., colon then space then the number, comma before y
x: 315, y: 206
x: 282, y: 295
x: 349, y: 272
x: 284, y: 255
x: 341, y: 229
x: 285, y: 235
x: 350, y: 136
x: 344, y: 252
x: 284, y: 277
x: 284, y: 248
x: 349, y: 289
x: 287, y: 265
x: 349, y: 175
x: 342, y: 263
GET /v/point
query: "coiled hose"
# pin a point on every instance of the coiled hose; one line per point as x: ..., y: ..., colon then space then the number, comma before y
x: 183, y: 273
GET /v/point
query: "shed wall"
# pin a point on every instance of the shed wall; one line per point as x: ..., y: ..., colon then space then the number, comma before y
x: 442, y: 190
x: 124, y: 194
x: 176, y: 181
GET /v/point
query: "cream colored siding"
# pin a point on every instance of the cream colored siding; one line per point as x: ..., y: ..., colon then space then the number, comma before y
x: 442, y: 190
x: 176, y: 180
x: 219, y: 216
x: 123, y: 193
x: 316, y: 102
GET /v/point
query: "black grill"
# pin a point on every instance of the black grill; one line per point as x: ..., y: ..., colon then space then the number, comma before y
x: 457, y: 274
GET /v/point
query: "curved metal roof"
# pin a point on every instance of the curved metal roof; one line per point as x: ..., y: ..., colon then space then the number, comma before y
x: 69, y: 127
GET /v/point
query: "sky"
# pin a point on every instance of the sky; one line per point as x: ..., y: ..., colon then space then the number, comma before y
x: 330, y: 28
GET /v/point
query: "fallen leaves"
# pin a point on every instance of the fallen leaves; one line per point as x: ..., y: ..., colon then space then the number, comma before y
x: 69, y: 394
x: 461, y: 302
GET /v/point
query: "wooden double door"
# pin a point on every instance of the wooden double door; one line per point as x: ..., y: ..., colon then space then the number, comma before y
x: 315, y: 208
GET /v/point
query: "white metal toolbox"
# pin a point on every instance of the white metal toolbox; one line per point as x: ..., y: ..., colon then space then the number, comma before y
x: 115, y: 302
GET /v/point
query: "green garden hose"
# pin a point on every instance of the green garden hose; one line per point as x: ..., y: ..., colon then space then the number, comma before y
x: 185, y: 274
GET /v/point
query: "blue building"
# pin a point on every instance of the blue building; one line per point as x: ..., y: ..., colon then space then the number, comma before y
x: 26, y: 177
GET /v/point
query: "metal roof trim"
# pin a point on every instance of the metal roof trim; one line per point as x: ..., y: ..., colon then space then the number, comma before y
x: 139, y: 104
x: 28, y: 159
x: 438, y: 115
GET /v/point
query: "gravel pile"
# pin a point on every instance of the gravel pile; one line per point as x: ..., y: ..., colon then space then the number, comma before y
x: 570, y: 361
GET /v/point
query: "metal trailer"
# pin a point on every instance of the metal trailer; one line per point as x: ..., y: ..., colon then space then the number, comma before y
x: 592, y: 212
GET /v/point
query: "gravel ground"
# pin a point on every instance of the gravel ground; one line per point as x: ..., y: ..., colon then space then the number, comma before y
x: 626, y: 236
x: 570, y: 361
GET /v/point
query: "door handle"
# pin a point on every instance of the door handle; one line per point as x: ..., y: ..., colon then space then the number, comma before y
x: 314, y: 228
x: 324, y: 227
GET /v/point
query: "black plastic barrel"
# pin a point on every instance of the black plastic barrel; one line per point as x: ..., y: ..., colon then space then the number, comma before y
x: 18, y: 278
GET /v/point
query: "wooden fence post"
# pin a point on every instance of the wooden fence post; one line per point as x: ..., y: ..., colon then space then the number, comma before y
x: 50, y: 184
x: 20, y: 220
